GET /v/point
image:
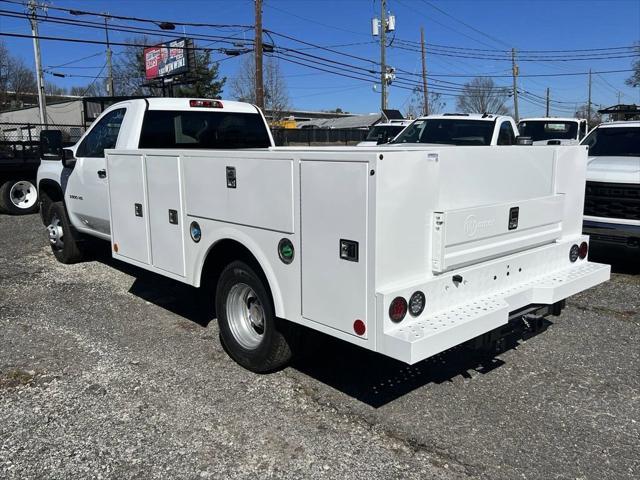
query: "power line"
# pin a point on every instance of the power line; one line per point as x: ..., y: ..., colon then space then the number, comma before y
x: 135, y: 19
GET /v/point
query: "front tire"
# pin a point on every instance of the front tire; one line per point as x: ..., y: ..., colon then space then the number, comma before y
x: 249, y: 330
x: 62, y: 237
x: 18, y: 197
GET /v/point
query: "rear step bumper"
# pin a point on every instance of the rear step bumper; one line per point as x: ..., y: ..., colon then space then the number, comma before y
x: 429, y: 335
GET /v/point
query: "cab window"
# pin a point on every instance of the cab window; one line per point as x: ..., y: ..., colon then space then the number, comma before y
x: 506, y: 136
x: 103, y: 136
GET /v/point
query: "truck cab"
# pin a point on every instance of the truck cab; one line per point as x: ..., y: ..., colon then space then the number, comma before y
x: 461, y: 129
x: 553, y: 131
x: 80, y: 180
x: 612, y: 196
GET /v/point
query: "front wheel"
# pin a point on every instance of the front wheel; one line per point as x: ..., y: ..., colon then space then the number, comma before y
x: 18, y: 197
x: 62, y: 237
x: 249, y: 330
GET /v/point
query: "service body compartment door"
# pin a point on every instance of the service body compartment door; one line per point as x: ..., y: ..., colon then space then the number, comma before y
x: 334, y: 197
x: 129, y: 234
x: 165, y: 213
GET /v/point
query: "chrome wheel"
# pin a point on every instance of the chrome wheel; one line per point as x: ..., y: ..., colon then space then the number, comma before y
x: 246, y: 316
x: 23, y: 194
x: 56, y: 234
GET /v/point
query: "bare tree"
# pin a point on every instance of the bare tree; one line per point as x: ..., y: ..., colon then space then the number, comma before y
x: 415, y: 108
x: 482, y: 95
x: 583, y: 112
x: 634, y: 79
x: 276, y: 97
x: 16, y: 79
x: 93, y: 89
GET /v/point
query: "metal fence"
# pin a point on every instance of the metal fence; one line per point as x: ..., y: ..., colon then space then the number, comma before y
x: 21, y: 140
x: 318, y: 136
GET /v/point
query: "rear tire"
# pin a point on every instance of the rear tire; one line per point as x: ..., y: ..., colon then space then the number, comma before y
x: 18, y: 197
x: 249, y: 330
x: 62, y: 237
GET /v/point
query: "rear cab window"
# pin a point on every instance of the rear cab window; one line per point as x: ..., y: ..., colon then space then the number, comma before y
x: 548, y: 130
x: 203, y: 130
x: 448, y: 131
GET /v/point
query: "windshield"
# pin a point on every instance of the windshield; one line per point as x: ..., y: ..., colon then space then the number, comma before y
x: 614, y: 142
x: 387, y: 132
x: 543, y: 130
x: 448, y: 131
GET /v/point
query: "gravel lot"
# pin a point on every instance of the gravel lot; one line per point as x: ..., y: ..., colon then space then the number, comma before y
x: 108, y: 372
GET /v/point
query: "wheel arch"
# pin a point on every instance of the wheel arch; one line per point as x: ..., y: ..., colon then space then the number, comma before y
x: 239, y: 247
x: 49, y: 191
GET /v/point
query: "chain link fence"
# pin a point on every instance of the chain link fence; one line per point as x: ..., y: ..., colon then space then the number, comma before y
x: 318, y: 136
x: 20, y: 141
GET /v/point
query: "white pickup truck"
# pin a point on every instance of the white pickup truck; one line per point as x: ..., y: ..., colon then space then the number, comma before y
x: 462, y: 129
x: 553, y: 131
x: 403, y: 250
x: 612, y: 198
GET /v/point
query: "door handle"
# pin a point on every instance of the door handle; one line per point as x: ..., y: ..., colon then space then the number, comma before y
x: 102, y: 173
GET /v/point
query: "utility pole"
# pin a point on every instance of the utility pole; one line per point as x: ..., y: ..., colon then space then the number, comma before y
x: 36, y: 51
x: 383, y: 65
x: 109, y: 66
x: 619, y: 97
x: 547, y: 114
x: 589, y: 102
x: 258, y: 56
x: 514, y: 69
x: 425, y: 91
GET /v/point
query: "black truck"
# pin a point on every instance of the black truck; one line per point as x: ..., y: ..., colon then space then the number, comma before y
x: 19, y: 161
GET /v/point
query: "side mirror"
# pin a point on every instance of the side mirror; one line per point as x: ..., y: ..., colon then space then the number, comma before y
x: 51, y: 145
x: 68, y: 160
x: 524, y: 140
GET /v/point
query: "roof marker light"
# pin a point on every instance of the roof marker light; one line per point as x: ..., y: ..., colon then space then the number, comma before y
x: 205, y: 103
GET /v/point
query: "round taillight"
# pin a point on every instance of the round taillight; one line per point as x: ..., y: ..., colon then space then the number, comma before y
x: 359, y: 327
x: 397, y: 309
x: 584, y: 249
x: 417, y: 303
x: 574, y: 253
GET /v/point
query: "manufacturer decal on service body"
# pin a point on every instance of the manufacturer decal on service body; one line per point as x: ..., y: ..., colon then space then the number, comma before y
x: 472, y: 225
x: 76, y: 197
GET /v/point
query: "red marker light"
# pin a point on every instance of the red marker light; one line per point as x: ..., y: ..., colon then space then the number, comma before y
x: 205, y: 103
x: 359, y: 327
x: 397, y: 309
x: 584, y: 249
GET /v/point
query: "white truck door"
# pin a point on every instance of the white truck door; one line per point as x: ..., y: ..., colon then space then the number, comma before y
x: 334, y: 198
x: 86, y: 187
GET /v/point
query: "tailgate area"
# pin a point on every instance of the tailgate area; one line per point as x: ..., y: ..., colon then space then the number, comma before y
x: 471, y: 301
x: 470, y: 235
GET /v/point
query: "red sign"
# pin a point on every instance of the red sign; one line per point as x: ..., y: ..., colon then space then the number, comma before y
x: 166, y: 59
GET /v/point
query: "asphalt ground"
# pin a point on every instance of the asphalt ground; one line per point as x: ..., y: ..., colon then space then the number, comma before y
x: 107, y: 371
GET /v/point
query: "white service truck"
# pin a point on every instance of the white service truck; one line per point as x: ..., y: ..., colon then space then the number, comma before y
x: 406, y: 250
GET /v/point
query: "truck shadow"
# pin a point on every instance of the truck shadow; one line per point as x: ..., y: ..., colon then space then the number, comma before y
x: 176, y: 297
x: 361, y: 374
x: 377, y: 380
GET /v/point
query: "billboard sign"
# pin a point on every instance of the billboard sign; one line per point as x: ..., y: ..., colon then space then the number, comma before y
x: 166, y: 59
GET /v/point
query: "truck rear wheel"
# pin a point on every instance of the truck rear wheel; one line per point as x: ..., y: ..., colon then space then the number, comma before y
x: 249, y: 330
x: 18, y: 197
x: 62, y: 237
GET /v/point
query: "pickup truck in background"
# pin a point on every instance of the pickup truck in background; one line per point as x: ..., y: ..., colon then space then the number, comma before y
x: 404, y: 250
x: 384, y: 132
x: 460, y: 129
x: 612, y: 197
x: 553, y: 131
